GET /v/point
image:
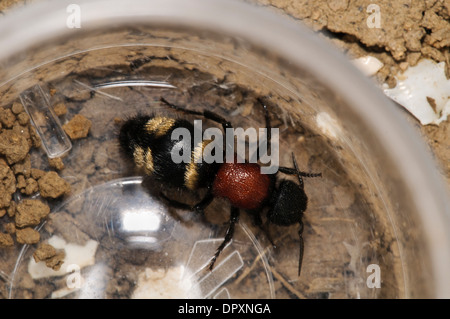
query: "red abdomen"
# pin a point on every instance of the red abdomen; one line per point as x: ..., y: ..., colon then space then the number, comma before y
x: 242, y: 184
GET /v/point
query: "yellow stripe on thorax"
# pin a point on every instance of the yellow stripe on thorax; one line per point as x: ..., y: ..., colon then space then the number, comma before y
x: 143, y: 159
x: 191, y: 173
x: 159, y: 125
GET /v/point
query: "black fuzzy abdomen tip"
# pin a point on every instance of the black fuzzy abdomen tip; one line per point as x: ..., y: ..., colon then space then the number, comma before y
x: 130, y: 134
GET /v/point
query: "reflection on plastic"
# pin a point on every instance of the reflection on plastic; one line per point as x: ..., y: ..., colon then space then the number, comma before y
x: 140, y: 223
x: 54, y: 140
x: 95, y: 283
x: 140, y: 219
x: 200, y: 256
x: 145, y: 224
x: 222, y: 294
x: 220, y: 274
x: 125, y: 83
x: 128, y: 212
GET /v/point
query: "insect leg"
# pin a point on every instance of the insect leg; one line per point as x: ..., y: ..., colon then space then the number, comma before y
x: 257, y: 221
x: 234, y: 218
x: 207, y: 114
x: 292, y: 171
x: 199, y: 207
x: 302, y: 247
x: 174, y: 203
x: 296, y: 171
x: 268, y: 127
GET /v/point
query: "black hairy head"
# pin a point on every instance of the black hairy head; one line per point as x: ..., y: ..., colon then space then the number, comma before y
x: 131, y: 133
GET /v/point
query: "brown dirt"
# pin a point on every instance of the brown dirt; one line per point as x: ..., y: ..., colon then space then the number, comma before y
x: 53, y: 258
x: 19, y: 216
x: 77, y: 127
x: 51, y: 185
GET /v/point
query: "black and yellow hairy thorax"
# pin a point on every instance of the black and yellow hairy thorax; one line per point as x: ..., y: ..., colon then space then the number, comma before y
x: 150, y: 143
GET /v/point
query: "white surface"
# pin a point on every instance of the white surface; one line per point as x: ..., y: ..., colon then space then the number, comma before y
x: 426, y: 79
x: 368, y: 65
x: 81, y: 256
